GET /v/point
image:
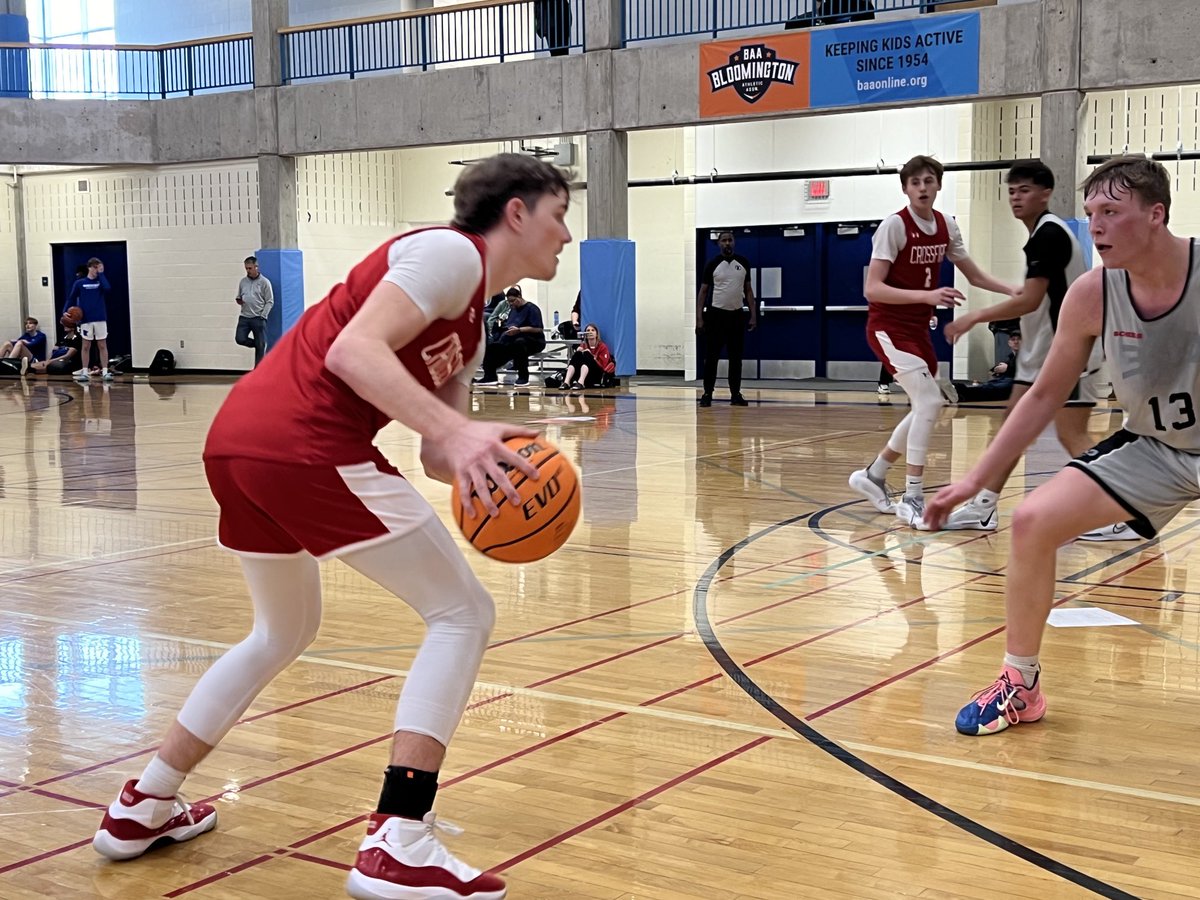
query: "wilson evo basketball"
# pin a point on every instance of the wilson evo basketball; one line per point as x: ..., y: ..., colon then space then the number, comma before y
x: 546, y: 517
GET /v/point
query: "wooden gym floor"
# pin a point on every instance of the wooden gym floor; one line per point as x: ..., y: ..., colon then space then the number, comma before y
x: 735, y: 681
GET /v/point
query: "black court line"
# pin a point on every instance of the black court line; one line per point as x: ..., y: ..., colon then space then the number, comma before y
x: 739, y: 677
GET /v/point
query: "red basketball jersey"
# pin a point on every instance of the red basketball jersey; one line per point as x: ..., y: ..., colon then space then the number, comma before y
x: 917, y: 267
x: 293, y: 409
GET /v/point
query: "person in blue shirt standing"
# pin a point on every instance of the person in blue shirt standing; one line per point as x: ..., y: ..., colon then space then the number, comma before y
x: 29, y: 347
x: 91, y: 295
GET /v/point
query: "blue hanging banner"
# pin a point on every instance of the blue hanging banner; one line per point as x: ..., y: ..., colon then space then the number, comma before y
x: 923, y: 58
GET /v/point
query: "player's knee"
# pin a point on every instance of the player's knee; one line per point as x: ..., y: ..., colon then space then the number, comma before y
x: 1028, y: 521
x: 468, y: 607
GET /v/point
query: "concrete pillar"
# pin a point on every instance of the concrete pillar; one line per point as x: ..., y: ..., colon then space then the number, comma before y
x: 277, y: 201
x: 278, y: 256
x: 602, y: 24
x: 268, y: 17
x: 607, y: 258
x: 1059, y: 42
x: 18, y: 189
x: 1062, y: 115
x: 607, y: 184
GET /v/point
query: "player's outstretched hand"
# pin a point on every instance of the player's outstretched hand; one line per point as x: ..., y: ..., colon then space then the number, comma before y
x: 474, y: 455
x: 956, y: 328
x: 945, y: 296
x: 945, y: 500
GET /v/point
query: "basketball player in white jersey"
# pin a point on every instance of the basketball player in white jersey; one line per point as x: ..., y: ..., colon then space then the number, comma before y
x: 1053, y: 260
x: 1145, y: 305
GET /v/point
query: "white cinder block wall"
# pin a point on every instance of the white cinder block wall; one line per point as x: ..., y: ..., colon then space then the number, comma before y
x: 346, y: 205
x: 186, y: 231
x: 10, y: 306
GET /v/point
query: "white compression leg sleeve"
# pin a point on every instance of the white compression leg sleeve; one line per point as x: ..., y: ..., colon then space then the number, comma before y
x: 898, y: 442
x: 286, y: 592
x: 426, y: 569
x: 927, y: 402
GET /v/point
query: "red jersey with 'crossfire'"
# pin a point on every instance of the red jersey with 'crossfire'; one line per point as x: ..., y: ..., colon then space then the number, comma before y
x: 917, y: 267
x: 292, y: 409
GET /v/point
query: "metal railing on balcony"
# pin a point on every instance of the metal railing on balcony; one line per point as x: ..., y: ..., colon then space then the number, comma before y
x: 126, y: 71
x: 470, y: 33
x: 646, y: 20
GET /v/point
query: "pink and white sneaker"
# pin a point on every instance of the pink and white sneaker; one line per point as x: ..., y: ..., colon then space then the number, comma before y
x: 135, y: 822
x: 1006, y: 701
x: 402, y: 859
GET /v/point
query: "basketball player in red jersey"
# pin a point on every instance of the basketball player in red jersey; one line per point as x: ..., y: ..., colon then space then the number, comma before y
x: 902, y: 293
x: 291, y: 463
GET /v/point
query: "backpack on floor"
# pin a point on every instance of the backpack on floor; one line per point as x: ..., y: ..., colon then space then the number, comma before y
x: 163, y: 363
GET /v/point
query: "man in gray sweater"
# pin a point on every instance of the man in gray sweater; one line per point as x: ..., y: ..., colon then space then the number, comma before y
x: 256, y: 297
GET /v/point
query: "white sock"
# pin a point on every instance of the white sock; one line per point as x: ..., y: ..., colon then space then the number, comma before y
x: 104, y: 371
x: 987, y: 498
x: 878, y: 470
x: 160, y: 780
x: 914, y: 485
x: 1026, y: 665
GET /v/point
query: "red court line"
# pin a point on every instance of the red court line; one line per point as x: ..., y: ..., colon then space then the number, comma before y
x: 623, y: 608
x: 599, y: 615
x: 21, y: 863
x: 583, y: 826
x: 64, y: 798
x: 16, y: 578
x: 241, y: 867
x: 364, y: 744
x: 346, y: 690
x: 146, y: 750
x: 609, y: 718
x: 319, y: 861
x: 983, y: 637
x: 291, y: 848
x: 617, y: 810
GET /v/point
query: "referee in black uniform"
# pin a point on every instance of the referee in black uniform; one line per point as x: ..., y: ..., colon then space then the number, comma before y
x: 724, y: 311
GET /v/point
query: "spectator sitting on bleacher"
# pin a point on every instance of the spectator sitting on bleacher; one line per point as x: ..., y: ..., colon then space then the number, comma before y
x: 522, y: 336
x: 29, y: 347
x: 495, y: 311
x: 64, y: 358
x: 590, y: 363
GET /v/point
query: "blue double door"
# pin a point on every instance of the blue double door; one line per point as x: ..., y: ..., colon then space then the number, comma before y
x: 810, y: 281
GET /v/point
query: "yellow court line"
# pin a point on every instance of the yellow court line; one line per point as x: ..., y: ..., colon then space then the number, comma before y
x: 693, y: 719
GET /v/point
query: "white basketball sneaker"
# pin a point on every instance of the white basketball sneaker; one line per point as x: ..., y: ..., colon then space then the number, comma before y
x: 135, y: 822
x: 1118, y: 532
x: 403, y: 859
x: 877, y: 492
x: 911, y: 511
x: 971, y: 516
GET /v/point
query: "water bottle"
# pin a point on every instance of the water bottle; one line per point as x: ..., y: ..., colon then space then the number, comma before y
x: 556, y: 318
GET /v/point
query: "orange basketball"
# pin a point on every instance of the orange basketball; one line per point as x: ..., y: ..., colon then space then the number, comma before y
x: 546, y: 517
x: 75, y: 314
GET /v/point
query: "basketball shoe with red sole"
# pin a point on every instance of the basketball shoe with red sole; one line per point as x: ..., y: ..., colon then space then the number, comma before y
x: 403, y: 859
x: 129, y: 828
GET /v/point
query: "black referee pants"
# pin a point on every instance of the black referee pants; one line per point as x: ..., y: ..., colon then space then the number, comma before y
x: 724, y: 329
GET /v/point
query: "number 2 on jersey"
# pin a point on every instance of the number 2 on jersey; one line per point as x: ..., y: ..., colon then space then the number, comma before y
x: 928, y: 277
x: 1186, y: 412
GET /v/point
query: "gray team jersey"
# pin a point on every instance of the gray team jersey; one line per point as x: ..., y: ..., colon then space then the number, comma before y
x: 1053, y: 253
x: 1155, y: 363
